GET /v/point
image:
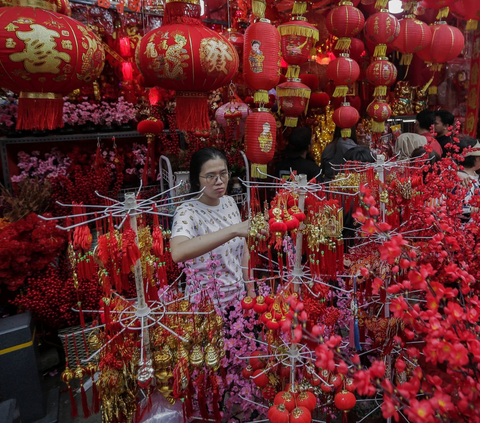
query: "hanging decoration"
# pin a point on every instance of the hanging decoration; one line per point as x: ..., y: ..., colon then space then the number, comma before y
x: 345, y: 117
x: 234, y: 112
x: 343, y: 71
x: 441, y: 5
x: 379, y: 110
x: 382, y: 29
x: 344, y: 22
x: 150, y: 127
x: 293, y: 99
x: 381, y: 74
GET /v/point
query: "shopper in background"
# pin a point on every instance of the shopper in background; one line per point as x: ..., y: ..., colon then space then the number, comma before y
x: 443, y: 121
x: 360, y: 153
x: 470, y: 149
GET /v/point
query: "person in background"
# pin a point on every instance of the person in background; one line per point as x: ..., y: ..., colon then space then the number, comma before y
x: 443, y: 120
x: 296, y: 152
x: 470, y: 149
x: 360, y: 153
x: 335, y: 151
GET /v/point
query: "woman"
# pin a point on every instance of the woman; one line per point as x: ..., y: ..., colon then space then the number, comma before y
x: 470, y: 149
x: 209, y: 227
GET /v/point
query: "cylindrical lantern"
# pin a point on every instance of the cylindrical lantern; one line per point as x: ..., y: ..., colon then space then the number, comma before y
x: 261, y: 59
x: 260, y: 136
x: 354, y: 51
x: 413, y: 37
x: 297, y: 39
x: 44, y: 56
x: 379, y: 110
x: 235, y: 112
x: 345, y: 117
x: 192, y: 60
x: 381, y: 74
x: 382, y: 29
x: 293, y: 100
x: 344, y: 22
x: 447, y: 43
x: 343, y: 71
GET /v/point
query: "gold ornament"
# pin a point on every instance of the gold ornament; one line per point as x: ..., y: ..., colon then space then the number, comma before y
x: 196, y: 356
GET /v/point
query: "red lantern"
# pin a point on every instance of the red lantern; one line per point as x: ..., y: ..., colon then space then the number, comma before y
x: 379, y: 111
x: 44, y: 63
x: 293, y: 100
x: 260, y: 136
x: 414, y: 36
x: 278, y: 414
x: 297, y: 39
x: 343, y: 71
x: 248, y: 303
x: 310, y: 80
x: 355, y: 50
x: 247, y: 371
x: 260, y: 378
x: 381, y: 74
x: 314, y: 68
x: 261, y: 59
x: 300, y: 415
x: 345, y: 117
x: 268, y: 392
x: 285, y: 398
x: 447, y: 43
x: 307, y: 400
x: 382, y: 29
x: 318, y: 100
x: 345, y: 401
x: 127, y: 71
x: 443, y: 5
x: 237, y: 39
x: 257, y: 362
x: 344, y: 22
x: 354, y: 101
x: 260, y: 305
x: 192, y: 60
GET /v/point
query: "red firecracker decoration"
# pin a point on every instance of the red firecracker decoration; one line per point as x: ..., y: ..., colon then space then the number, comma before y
x: 382, y: 29
x: 43, y: 63
x: 345, y: 117
x: 260, y: 137
x: 381, y: 74
x: 345, y: 22
x: 345, y: 401
x: 343, y: 71
x: 278, y: 414
x: 414, y: 36
x: 379, y: 110
x: 293, y: 100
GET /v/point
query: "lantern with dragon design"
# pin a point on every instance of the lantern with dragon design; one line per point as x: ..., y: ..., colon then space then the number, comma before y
x: 293, y: 99
x: 44, y: 56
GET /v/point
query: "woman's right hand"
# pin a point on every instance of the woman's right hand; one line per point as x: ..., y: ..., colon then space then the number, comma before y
x: 242, y: 228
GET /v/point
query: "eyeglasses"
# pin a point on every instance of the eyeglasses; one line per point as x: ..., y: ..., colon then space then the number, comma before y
x: 212, y: 179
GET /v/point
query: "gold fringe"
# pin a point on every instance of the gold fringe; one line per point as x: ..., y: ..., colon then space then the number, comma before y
x: 299, y: 8
x: 259, y: 7
x: 300, y: 31
x: 432, y: 89
x: 293, y: 92
x: 472, y: 25
x: 340, y: 91
x: 346, y: 132
x: 256, y: 169
x: 406, y: 59
x: 381, y: 90
x: 293, y: 71
x: 343, y: 44
x: 378, y: 126
x: 443, y: 13
x: 291, y: 122
x: 381, y: 4
x: 260, y: 96
x: 380, y: 50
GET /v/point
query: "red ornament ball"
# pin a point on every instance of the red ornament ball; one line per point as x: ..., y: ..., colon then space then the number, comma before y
x: 278, y: 414
x: 345, y: 401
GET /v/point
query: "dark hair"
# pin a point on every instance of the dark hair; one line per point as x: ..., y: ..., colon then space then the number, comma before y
x: 433, y: 156
x: 359, y: 154
x: 445, y: 116
x: 465, y: 143
x: 199, y: 158
x: 425, y: 119
x: 337, y: 134
x: 298, y: 141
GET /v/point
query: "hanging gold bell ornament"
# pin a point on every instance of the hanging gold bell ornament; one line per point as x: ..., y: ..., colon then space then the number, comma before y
x: 212, y: 358
x: 196, y: 356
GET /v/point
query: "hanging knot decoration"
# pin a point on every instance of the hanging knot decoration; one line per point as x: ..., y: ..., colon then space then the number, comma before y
x: 382, y: 29
x: 344, y: 22
x: 293, y: 99
x: 343, y: 71
x: 130, y: 250
x: 150, y: 127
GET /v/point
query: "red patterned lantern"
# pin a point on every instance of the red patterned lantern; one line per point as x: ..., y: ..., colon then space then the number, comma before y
x: 297, y: 39
x: 355, y: 50
x: 261, y: 59
x: 260, y: 136
x: 447, y: 43
x: 345, y: 401
x: 44, y: 56
x: 414, y: 36
x: 382, y: 29
x: 300, y: 415
x: 345, y: 21
x: 379, y: 111
x: 192, y: 60
x: 318, y: 100
x: 381, y: 74
x: 278, y: 414
x: 345, y: 117
x: 343, y: 71
x: 293, y: 100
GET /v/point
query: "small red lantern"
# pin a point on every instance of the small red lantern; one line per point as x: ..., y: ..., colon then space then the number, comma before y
x: 447, y: 43
x: 247, y: 371
x: 344, y: 22
x: 127, y: 71
x: 268, y: 392
x: 260, y: 305
x: 414, y: 36
x: 257, y: 362
x: 318, y: 101
x: 260, y: 378
x: 355, y: 50
x: 379, y: 111
x: 278, y: 414
x: 285, y: 398
x: 343, y: 71
x: 260, y: 136
x: 293, y: 99
x: 382, y: 29
x: 381, y: 74
x: 300, y: 415
x: 345, y: 117
x: 345, y: 401
x: 248, y: 303
x: 308, y: 400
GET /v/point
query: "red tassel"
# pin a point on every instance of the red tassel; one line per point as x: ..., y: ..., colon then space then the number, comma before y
x: 95, y: 398
x: 216, y: 399
x: 86, y: 410
x: 73, y: 403
x: 192, y: 111
x: 39, y: 113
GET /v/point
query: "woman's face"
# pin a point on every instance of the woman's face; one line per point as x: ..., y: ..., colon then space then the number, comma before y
x: 214, y: 178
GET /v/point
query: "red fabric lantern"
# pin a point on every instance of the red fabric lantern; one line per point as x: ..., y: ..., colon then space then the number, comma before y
x: 381, y: 74
x: 293, y: 100
x: 414, y: 36
x: 354, y: 101
x: 345, y: 117
x: 307, y: 400
x: 297, y: 39
x: 260, y: 136
x: 192, y: 60
x: 314, y: 68
x: 300, y: 415
x: 447, y: 43
x: 355, y: 50
x: 382, y: 29
x: 247, y: 372
x: 343, y: 71
x: 310, y: 80
x: 285, y: 398
x: 443, y: 5
x: 379, y: 111
x: 44, y: 63
x: 255, y: 361
x: 318, y: 100
x: 344, y: 22
x: 345, y: 401
x: 278, y: 414
x: 248, y: 303
x: 261, y: 59
x: 260, y: 378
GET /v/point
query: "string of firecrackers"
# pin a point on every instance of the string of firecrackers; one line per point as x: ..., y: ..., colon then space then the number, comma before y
x: 322, y: 133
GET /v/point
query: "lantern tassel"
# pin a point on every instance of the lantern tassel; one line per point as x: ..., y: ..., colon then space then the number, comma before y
x: 300, y: 31
x: 39, y: 111
x: 258, y: 8
x: 340, y: 91
x: 381, y: 4
x: 443, y: 13
x: 380, y: 50
x: 343, y: 44
x: 291, y: 121
x: 294, y: 92
x: 293, y: 71
x: 260, y: 97
x: 256, y: 169
x: 299, y: 8
x: 472, y: 24
x: 432, y: 90
x: 192, y: 111
x: 378, y: 126
x: 406, y: 59
x: 380, y: 91
x: 346, y: 132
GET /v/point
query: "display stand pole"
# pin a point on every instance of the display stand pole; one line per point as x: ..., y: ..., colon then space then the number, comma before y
x: 298, y: 268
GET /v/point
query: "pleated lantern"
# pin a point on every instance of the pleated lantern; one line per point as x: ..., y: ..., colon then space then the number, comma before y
x: 343, y: 71
x: 441, y: 5
x: 472, y: 9
x: 260, y: 137
x: 297, y: 39
x: 45, y: 55
x: 381, y: 74
x: 192, y: 60
x: 382, y: 29
x: 413, y: 37
x: 261, y: 59
x: 344, y: 22
x: 345, y: 117
x: 379, y: 110
x: 293, y: 99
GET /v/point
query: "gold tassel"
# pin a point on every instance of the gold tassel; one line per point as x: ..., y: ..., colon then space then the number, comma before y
x: 258, y: 8
x: 300, y: 31
x: 294, y: 92
x: 340, y: 91
x: 380, y: 50
x: 472, y: 25
x: 406, y: 59
x: 260, y: 96
x: 343, y: 44
x: 313, y: 51
x: 381, y: 4
x: 380, y: 91
x: 291, y: 121
x: 443, y: 13
x: 256, y: 169
x: 299, y: 8
x: 432, y: 89
x: 293, y: 71
x: 378, y: 126
x: 346, y: 132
